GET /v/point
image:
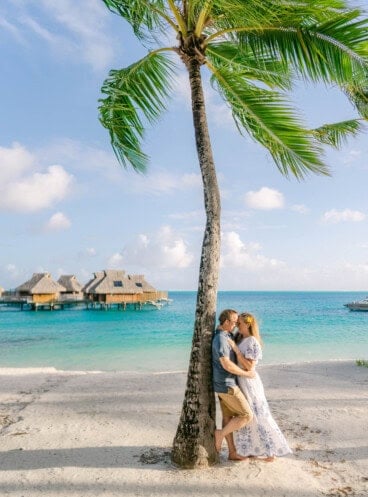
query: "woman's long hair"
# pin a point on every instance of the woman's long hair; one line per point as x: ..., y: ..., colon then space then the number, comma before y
x: 251, y: 321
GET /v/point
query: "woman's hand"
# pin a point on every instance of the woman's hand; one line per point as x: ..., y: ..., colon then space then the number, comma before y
x: 233, y: 346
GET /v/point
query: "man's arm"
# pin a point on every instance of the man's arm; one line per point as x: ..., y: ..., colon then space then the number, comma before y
x: 232, y: 368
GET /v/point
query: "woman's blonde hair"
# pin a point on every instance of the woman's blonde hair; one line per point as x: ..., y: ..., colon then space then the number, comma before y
x: 251, y: 321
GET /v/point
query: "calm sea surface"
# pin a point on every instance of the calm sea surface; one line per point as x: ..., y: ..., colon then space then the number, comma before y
x: 295, y: 326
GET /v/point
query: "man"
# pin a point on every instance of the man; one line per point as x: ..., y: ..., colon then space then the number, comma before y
x: 236, y: 411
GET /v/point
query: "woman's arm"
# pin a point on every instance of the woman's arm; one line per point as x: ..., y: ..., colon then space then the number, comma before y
x: 247, y: 364
x: 232, y: 368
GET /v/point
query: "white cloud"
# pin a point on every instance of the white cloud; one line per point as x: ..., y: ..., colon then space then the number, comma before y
x: 191, y: 180
x: 91, y: 252
x: 58, y: 221
x: 12, y: 275
x: 87, y: 253
x: 264, y: 199
x: 187, y: 216
x: 24, y: 186
x: 86, y: 21
x: 35, y: 191
x: 12, y: 270
x: 81, y: 157
x: 163, y: 250
x: 245, y: 257
x: 347, y: 215
x: 159, y: 182
x: 301, y: 208
x: 115, y: 261
x: 235, y: 220
x: 352, y: 156
x: 11, y: 28
x: 358, y: 269
x: 14, y: 161
x: 76, y: 30
x: 40, y: 30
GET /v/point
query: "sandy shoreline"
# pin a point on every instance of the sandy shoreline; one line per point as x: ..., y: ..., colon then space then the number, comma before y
x: 74, y: 434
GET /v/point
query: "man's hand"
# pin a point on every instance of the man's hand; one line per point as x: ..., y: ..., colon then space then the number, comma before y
x: 249, y: 374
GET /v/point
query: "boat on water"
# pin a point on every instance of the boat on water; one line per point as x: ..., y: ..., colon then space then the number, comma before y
x: 358, y: 305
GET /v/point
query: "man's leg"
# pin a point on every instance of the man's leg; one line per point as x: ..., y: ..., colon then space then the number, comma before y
x: 234, y: 423
x: 233, y: 455
x: 236, y: 413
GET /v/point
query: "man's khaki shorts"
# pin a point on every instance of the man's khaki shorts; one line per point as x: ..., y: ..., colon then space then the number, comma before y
x: 233, y: 403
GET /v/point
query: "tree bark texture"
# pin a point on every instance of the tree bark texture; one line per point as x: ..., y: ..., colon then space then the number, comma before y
x: 194, y: 440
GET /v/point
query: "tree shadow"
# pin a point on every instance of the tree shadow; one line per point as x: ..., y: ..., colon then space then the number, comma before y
x: 86, y: 457
x: 180, y: 487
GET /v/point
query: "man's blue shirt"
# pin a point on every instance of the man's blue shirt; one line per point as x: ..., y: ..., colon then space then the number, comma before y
x: 222, y: 379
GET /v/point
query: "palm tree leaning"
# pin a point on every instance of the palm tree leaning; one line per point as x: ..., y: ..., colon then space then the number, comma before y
x: 253, y: 51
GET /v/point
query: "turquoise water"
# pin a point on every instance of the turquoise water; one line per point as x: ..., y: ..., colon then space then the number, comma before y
x: 295, y: 326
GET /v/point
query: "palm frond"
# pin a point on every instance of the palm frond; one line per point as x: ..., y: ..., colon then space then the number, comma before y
x: 337, y: 133
x: 269, y: 119
x: 334, y: 51
x: 263, y: 68
x: 229, y: 14
x: 358, y: 95
x: 138, y: 91
x: 143, y: 15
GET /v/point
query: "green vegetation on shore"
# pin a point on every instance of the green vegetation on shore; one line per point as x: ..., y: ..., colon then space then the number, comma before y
x: 361, y: 362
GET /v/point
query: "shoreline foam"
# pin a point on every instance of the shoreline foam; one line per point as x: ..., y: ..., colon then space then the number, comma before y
x: 8, y: 371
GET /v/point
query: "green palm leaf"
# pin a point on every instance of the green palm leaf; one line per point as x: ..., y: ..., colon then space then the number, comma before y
x: 335, y: 134
x: 229, y: 14
x: 140, y: 90
x: 253, y: 67
x: 358, y: 95
x: 268, y: 118
x: 142, y: 15
x: 333, y: 51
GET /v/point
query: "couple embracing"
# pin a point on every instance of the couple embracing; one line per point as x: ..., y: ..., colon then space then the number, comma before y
x: 240, y: 391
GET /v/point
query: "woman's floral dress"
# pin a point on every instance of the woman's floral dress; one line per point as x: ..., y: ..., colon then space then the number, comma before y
x: 262, y: 437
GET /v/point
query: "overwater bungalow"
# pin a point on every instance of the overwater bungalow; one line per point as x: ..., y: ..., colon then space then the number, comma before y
x: 73, y: 289
x: 116, y: 287
x: 40, y: 289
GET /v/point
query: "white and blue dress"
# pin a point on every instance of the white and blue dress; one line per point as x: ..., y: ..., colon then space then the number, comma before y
x: 262, y: 437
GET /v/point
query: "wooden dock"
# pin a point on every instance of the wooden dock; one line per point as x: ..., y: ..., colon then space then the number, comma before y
x: 56, y: 305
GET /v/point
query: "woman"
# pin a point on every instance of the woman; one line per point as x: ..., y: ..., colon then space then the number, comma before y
x: 262, y: 437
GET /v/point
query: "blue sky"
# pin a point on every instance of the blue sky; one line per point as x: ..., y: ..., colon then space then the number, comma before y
x: 67, y: 207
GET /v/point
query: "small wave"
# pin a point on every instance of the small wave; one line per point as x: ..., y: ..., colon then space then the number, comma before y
x: 18, y: 341
x: 44, y: 370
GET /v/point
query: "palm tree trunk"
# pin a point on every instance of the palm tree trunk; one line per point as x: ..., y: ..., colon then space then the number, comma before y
x: 194, y: 443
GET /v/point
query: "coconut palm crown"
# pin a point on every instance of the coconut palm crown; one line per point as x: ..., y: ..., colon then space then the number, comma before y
x: 253, y: 51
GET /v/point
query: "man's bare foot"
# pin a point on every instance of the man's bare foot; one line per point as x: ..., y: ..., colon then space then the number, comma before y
x: 237, y: 457
x: 218, y: 440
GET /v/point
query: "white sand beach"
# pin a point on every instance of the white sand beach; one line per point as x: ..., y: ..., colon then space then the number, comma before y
x: 74, y: 434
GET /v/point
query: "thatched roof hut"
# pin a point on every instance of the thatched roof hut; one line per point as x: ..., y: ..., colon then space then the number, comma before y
x: 113, y: 285
x: 72, y: 286
x: 139, y: 281
x: 41, y: 287
x: 70, y: 282
x: 112, y: 281
x: 90, y: 285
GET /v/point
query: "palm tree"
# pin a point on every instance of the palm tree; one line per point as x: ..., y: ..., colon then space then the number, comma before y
x: 253, y: 51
